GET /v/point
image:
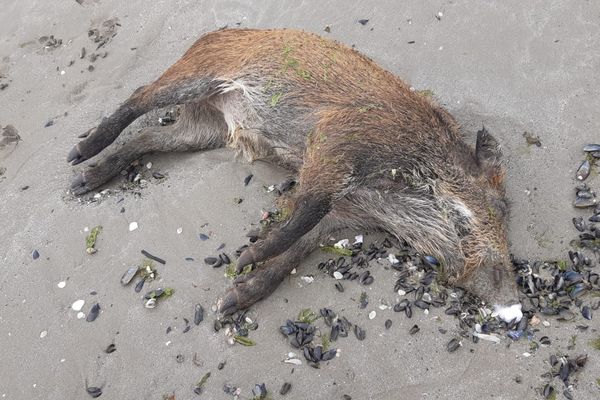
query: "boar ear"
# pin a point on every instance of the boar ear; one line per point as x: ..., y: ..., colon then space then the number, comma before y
x: 487, y: 149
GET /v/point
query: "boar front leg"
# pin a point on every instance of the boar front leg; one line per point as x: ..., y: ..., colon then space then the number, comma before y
x: 199, y: 127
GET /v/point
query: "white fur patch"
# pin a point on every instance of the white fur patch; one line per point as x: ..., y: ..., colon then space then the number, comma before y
x: 461, y: 208
x: 508, y: 313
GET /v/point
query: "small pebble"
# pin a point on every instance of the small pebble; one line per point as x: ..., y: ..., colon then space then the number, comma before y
x: 35, y: 255
x: 372, y: 314
x: 149, y: 165
x: 338, y: 275
x: 61, y: 284
x: 80, y: 315
x: 133, y: 226
x: 43, y: 334
x: 179, y: 230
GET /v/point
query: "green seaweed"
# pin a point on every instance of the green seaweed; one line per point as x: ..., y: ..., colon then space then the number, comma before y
x: 336, y: 250
x: 90, y: 240
x: 231, y: 270
x: 244, y: 340
x: 325, y: 341
x: 427, y: 93
x: 275, y: 98
x: 202, y: 381
x: 595, y: 343
x: 562, y: 265
x: 306, y: 315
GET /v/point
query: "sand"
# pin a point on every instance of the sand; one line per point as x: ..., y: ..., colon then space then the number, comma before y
x: 512, y: 66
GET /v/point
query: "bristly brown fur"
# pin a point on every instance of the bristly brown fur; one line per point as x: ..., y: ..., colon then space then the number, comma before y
x: 370, y: 153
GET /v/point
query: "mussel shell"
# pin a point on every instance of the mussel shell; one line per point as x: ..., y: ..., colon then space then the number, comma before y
x: 586, y: 312
x: 579, y: 224
x: 453, y: 345
x: 140, y: 285
x: 581, y: 202
x: 225, y: 258
x: 591, y: 147
x: 93, y: 314
x: 129, y: 275
x: 285, y: 388
x: 360, y: 333
x: 94, y: 391
x: 198, y: 314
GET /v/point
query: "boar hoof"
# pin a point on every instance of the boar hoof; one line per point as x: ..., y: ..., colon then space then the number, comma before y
x: 79, y: 185
x: 75, y: 156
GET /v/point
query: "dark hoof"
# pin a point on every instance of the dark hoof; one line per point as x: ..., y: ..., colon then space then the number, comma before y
x: 229, y: 304
x: 79, y: 185
x: 75, y: 156
x: 246, y: 258
x: 247, y: 290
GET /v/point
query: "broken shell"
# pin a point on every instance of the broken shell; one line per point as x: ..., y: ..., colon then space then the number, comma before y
x: 78, y: 305
x: 414, y: 329
x: 150, y: 303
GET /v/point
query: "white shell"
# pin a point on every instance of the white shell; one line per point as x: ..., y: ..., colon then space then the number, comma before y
x: 133, y: 226
x: 338, y: 275
x: 61, y: 284
x: 78, y: 305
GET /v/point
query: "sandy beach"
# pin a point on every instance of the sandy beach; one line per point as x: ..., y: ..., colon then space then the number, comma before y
x: 515, y: 67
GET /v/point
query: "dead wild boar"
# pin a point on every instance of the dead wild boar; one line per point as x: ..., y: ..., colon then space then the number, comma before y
x: 370, y: 154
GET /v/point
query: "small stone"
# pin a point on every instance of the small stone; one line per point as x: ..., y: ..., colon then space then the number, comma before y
x: 80, y: 315
x: 43, y: 334
x: 61, y: 284
x: 338, y: 275
x: 149, y: 165
x: 78, y: 305
x: 35, y: 255
x: 133, y: 226
x: 179, y: 230
x: 546, y: 323
x: 372, y: 314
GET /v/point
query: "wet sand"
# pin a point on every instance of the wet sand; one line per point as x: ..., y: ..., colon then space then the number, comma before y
x: 511, y: 66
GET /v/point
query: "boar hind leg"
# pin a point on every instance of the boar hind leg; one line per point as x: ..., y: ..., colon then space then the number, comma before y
x: 260, y: 283
x: 146, y: 98
x: 309, y: 209
x: 199, y: 127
